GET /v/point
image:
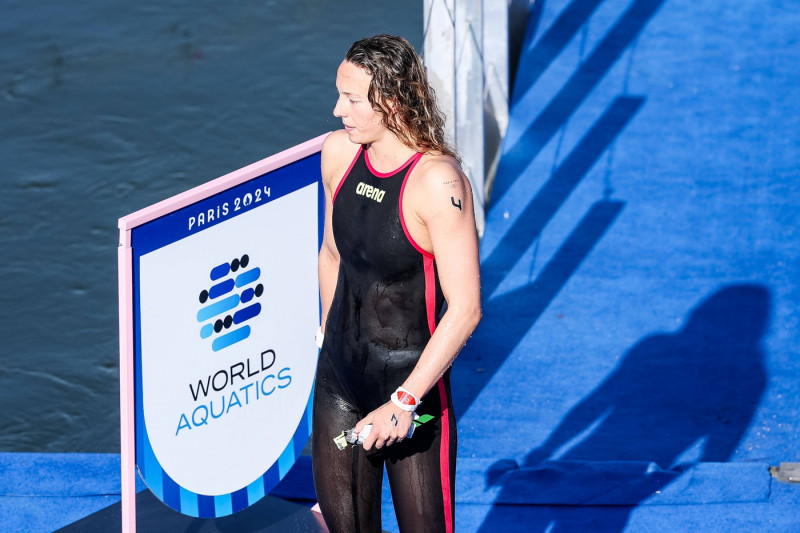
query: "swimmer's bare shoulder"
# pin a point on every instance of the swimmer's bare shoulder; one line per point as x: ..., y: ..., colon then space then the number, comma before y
x: 337, y: 154
x: 442, y: 188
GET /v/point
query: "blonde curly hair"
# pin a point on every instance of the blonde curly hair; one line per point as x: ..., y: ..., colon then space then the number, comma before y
x: 400, y: 93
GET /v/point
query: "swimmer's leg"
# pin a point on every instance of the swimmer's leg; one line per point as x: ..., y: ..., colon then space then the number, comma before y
x: 348, y: 482
x: 422, y: 469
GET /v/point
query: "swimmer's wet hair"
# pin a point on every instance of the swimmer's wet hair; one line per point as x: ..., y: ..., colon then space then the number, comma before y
x: 400, y: 93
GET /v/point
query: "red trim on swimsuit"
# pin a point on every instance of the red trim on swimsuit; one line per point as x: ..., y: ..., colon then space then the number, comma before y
x: 416, y: 246
x: 393, y: 172
x: 347, y: 173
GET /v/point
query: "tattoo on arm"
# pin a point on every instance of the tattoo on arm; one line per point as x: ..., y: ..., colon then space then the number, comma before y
x: 458, y: 205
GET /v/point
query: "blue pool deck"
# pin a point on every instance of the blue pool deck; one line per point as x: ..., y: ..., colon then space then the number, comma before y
x: 638, y: 365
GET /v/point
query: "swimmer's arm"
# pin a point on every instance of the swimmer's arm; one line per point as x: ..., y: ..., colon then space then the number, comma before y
x: 445, y: 207
x: 334, y: 151
x: 455, y: 245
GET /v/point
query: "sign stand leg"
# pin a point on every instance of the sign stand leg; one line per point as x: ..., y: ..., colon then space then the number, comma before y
x: 126, y: 406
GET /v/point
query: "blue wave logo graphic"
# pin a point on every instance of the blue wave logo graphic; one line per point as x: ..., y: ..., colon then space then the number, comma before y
x: 224, y: 310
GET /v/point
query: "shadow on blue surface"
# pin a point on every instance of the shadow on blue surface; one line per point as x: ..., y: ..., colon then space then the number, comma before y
x: 588, y: 75
x: 555, y: 191
x: 674, y: 401
x: 499, y: 335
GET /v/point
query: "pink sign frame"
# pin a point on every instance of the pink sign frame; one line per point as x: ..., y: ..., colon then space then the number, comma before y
x: 126, y: 288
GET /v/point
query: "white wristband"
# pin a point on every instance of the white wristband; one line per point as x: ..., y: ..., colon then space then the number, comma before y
x: 405, y: 400
x: 319, y: 337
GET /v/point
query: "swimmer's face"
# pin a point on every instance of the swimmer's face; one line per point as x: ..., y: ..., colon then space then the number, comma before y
x: 361, y: 121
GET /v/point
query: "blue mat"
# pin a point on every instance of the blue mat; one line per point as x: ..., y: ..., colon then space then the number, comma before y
x: 639, y: 273
x: 42, y: 492
x: 47, y: 491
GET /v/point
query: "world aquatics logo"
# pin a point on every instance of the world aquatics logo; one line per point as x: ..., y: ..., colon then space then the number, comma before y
x: 219, y: 317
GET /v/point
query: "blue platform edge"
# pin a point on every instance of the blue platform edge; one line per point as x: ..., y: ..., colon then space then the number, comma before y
x: 47, y: 491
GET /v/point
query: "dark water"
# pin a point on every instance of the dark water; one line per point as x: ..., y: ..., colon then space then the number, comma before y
x: 107, y: 107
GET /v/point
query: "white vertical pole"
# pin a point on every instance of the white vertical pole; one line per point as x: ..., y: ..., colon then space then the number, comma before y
x: 496, y: 93
x: 466, y: 54
x: 452, y: 59
x: 469, y: 85
x: 126, y: 385
x: 439, y: 54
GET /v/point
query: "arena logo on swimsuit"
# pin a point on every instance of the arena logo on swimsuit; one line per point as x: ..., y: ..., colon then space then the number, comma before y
x: 369, y: 191
x: 220, y: 300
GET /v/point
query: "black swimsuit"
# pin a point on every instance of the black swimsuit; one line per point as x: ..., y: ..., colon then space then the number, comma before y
x: 384, y: 311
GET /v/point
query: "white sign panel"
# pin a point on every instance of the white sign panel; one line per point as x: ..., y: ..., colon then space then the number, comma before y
x: 225, y: 303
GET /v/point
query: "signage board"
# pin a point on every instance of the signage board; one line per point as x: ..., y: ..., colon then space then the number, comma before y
x: 219, y: 302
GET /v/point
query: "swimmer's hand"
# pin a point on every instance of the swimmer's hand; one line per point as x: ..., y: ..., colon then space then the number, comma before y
x: 389, y: 426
